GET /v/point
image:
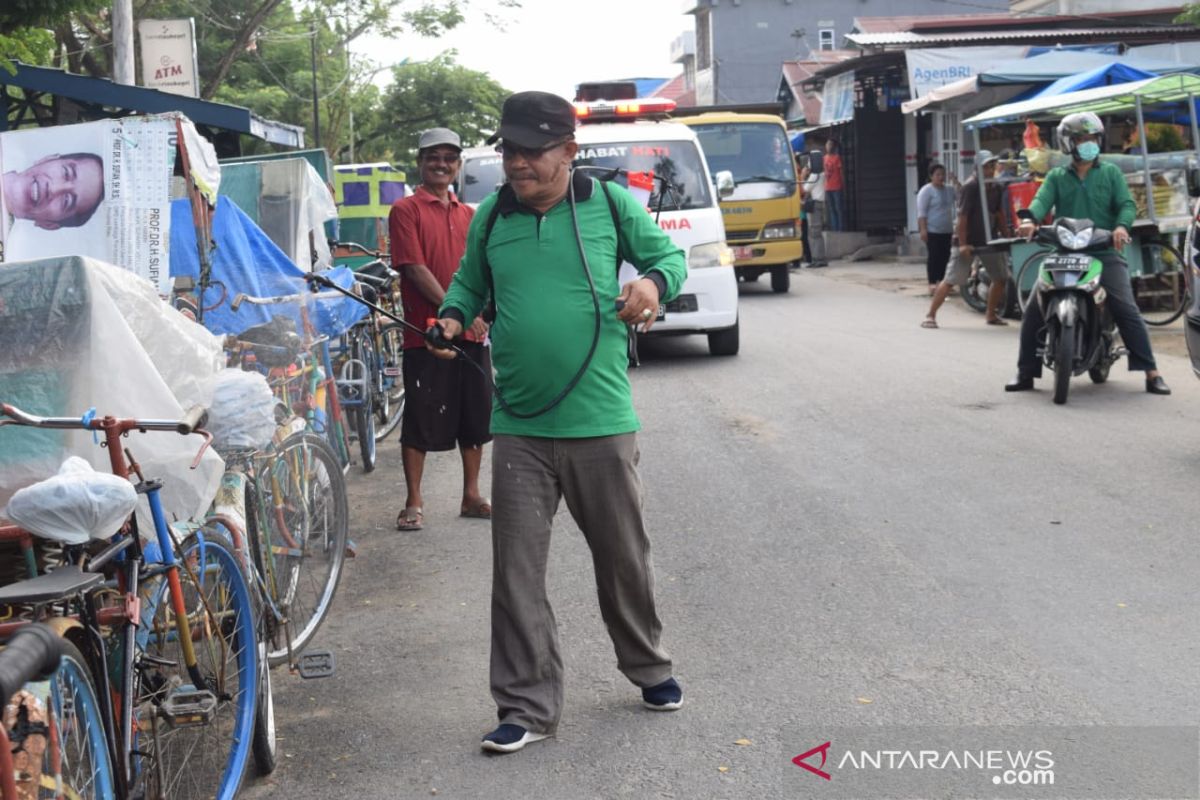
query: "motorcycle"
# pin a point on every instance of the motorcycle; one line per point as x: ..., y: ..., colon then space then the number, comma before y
x: 975, y: 290
x: 1080, y: 333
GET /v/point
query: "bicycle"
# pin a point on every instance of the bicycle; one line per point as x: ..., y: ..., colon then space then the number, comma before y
x: 294, y: 511
x: 168, y: 632
x: 53, y: 738
x: 292, y: 369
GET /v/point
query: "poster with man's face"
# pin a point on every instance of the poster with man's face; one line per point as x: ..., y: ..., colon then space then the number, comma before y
x: 99, y: 189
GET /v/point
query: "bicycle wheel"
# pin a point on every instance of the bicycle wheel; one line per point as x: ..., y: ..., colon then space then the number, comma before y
x: 391, y: 359
x: 363, y: 350
x: 1161, y: 290
x: 199, y: 720
x: 974, y: 290
x: 301, y: 544
x: 75, y: 762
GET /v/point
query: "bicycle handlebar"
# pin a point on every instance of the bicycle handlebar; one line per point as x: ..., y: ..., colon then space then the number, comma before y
x: 241, y: 297
x: 360, y: 248
x: 189, y: 424
x: 32, y: 653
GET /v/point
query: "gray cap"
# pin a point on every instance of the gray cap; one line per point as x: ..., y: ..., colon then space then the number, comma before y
x: 438, y: 136
x: 983, y: 157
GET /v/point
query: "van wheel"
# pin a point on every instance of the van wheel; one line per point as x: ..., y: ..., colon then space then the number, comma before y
x: 724, y: 342
x: 781, y: 279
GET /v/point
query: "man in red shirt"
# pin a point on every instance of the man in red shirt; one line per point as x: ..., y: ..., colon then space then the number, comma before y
x: 446, y: 402
x: 834, y: 197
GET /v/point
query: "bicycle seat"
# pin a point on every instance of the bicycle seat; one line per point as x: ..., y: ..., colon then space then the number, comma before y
x: 65, y: 581
x: 75, y: 505
x: 277, y: 343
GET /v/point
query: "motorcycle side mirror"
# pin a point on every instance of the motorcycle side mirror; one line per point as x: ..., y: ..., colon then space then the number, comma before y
x: 725, y: 184
x: 1193, y: 180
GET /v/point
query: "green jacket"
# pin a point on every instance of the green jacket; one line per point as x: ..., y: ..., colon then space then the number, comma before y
x: 545, y: 317
x: 1103, y: 196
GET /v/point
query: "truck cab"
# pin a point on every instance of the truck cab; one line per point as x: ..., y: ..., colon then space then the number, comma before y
x: 762, y: 215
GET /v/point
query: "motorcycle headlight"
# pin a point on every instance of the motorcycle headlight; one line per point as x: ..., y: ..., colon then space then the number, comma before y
x: 1074, y: 241
x: 712, y: 254
x: 780, y: 230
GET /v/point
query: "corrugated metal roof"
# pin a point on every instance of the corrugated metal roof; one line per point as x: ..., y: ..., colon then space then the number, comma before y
x: 913, y: 39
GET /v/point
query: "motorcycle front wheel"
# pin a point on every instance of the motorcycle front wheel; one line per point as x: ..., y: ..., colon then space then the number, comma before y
x: 1064, y: 363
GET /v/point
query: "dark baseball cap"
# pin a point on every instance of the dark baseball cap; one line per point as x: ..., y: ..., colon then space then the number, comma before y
x: 534, y: 119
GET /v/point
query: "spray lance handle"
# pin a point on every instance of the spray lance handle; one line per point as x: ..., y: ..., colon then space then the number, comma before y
x: 436, y: 336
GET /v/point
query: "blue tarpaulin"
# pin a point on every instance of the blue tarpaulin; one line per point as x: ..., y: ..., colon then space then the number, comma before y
x: 1105, y: 75
x: 245, y: 261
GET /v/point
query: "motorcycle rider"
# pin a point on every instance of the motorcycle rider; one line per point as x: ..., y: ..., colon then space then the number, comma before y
x: 1095, y: 190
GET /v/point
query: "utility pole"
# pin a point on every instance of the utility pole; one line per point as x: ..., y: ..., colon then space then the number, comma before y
x: 122, y: 34
x: 312, y: 27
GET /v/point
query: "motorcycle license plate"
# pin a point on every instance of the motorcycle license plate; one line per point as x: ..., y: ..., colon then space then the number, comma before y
x: 1069, y: 261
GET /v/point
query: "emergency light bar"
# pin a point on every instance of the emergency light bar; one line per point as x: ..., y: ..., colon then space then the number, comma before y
x: 609, y: 111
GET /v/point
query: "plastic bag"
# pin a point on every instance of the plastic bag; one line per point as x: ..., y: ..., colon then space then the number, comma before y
x: 242, y: 415
x: 75, y: 505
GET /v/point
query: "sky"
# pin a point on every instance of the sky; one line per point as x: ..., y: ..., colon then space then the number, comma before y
x: 551, y: 45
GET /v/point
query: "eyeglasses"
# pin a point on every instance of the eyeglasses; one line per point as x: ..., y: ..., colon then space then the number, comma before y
x: 434, y: 158
x: 510, y: 150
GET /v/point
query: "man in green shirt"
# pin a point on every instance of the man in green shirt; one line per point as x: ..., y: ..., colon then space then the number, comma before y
x: 1089, y: 189
x: 545, y: 249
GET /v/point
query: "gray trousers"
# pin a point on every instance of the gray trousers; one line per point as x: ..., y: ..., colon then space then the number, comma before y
x: 816, y: 230
x: 598, y: 478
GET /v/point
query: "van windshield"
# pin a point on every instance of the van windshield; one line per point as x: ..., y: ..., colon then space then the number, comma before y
x: 480, y: 177
x: 677, y: 162
x: 755, y: 152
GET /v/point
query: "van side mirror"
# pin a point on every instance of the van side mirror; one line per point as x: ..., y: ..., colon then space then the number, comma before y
x: 816, y: 162
x: 725, y: 184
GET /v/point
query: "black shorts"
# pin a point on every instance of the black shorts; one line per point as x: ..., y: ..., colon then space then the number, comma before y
x: 446, y: 402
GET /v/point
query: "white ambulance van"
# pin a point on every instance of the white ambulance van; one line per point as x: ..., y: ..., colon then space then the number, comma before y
x: 624, y: 135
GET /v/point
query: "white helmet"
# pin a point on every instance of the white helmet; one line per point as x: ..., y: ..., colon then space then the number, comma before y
x: 1081, y: 123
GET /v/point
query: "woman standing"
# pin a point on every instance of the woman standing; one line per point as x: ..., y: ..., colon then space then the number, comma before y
x: 935, y: 218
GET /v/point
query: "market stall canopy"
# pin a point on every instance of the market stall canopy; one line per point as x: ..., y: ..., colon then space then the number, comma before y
x: 94, y: 98
x: 1061, y: 63
x: 961, y: 96
x: 1101, y: 100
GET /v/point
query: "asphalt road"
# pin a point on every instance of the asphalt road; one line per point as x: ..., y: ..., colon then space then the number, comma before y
x: 853, y: 524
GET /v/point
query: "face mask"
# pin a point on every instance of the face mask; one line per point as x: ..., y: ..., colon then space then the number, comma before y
x: 1088, y: 151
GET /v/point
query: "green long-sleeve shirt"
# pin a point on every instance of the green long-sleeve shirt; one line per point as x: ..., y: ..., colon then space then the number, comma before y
x: 545, y: 317
x: 1102, y: 196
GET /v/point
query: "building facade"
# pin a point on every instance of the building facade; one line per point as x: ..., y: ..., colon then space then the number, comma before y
x: 739, y: 44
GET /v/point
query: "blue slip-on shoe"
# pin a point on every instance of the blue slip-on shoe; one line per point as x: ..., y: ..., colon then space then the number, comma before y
x: 666, y: 696
x: 509, y: 739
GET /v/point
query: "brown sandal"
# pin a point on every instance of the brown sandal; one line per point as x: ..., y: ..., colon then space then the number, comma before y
x: 410, y: 519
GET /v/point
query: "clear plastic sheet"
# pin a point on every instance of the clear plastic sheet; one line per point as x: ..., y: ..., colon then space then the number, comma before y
x: 242, y: 415
x: 81, y: 334
x: 75, y: 505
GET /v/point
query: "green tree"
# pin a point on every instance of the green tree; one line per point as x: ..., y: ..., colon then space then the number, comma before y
x: 24, y: 25
x: 437, y: 93
x: 1190, y: 13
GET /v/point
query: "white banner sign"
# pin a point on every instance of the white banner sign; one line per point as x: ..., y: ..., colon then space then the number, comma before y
x: 929, y: 69
x: 100, y: 189
x: 169, y: 55
x: 837, y: 99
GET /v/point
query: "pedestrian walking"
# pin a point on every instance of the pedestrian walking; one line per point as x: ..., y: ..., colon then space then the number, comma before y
x: 446, y: 403
x: 545, y: 248
x: 935, y: 219
x: 805, y: 247
x: 972, y: 235
x: 814, y: 212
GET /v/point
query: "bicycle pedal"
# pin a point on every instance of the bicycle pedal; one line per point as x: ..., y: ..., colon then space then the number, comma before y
x: 351, y: 548
x: 315, y: 664
x: 188, y: 708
